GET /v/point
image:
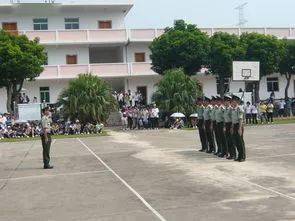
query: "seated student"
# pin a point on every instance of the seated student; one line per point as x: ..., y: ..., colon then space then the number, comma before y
x: 98, y: 128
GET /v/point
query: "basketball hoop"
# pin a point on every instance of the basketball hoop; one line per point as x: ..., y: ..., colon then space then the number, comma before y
x: 245, y: 71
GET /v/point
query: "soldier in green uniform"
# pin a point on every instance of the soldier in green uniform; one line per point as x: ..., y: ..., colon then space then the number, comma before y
x: 237, y: 121
x: 219, y: 116
x: 228, y: 128
x: 208, y: 125
x: 214, y: 124
x: 46, y: 137
x: 201, y: 125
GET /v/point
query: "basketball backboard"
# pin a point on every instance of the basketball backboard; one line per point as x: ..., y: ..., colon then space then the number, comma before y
x: 246, y: 71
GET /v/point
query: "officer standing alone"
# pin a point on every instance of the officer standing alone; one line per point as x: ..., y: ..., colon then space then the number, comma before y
x: 238, y: 130
x: 46, y: 137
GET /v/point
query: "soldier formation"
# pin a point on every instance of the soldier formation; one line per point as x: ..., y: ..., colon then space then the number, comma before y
x: 220, y: 124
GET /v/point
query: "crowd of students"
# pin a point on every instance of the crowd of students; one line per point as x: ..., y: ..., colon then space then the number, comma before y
x: 264, y: 111
x: 129, y: 99
x: 9, y: 128
x: 140, y: 117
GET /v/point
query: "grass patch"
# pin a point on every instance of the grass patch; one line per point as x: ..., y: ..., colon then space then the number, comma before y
x: 23, y: 139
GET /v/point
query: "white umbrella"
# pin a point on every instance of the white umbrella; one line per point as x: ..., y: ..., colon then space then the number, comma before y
x: 178, y: 115
x: 194, y: 115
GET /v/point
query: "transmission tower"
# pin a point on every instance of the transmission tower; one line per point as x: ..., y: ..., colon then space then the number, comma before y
x: 242, y: 20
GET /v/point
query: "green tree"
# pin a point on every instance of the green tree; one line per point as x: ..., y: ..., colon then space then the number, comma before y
x: 177, y: 92
x: 88, y: 98
x: 287, y: 64
x: 20, y: 60
x: 224, y: 49
x: 183, y: 46
x: 266, y: 49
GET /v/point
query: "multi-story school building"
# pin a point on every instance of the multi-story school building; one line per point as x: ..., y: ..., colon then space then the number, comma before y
x: 92, y: 37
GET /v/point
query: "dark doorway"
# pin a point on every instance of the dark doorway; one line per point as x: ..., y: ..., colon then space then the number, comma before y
x: 143, y: 91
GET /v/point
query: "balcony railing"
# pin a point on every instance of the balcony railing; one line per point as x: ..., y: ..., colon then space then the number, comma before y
x: 101, y: 70
x: 78, y: 36
x: 135, y: 35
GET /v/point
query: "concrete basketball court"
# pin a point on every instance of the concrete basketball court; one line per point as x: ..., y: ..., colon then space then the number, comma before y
x: 150, y: 175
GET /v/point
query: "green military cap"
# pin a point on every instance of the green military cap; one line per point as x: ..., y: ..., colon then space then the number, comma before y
x: 236, y: 98
x: 227, y: 98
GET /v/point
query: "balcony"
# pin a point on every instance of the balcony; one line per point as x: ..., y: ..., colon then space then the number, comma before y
x: 78, y: 36
x: 101, y: 70
x: 122, y: 36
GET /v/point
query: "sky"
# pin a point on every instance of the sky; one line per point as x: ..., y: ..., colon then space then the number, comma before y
x: 211, y: 13
x: 207, y: 13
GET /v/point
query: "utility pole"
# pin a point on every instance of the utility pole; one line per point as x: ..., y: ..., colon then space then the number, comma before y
x: 242, y: 20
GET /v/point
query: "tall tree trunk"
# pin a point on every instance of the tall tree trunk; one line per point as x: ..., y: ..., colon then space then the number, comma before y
x: 221, y: 83
x: 12, y: 93
x: 288, y: 77
x: 257, y: 88
x: 9, y: 98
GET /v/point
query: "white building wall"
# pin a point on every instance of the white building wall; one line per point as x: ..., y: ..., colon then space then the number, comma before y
x: 57, y: 54
x: 32, y: 88
x: 87, y: 20
x: 133, y: 48
x: 148, y: 81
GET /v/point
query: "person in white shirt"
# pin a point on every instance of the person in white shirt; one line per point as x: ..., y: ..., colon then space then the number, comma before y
x: 254, y: 112
x: 282, y: 104
x: 248, y: 111
x: 155, y: 117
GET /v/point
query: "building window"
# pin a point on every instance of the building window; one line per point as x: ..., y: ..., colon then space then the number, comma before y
x: 44, y: 95
x: 139, y: 57
x: 72, y: 59
x: 272, y: 84
x: 104, y: 24
x: 40, y: 23
x: 71, y: 23
x: 226, y: 85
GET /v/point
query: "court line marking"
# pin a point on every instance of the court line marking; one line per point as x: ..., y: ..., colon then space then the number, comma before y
x: 263, y: 188
x: 155, y: 212
x: 54, y: 175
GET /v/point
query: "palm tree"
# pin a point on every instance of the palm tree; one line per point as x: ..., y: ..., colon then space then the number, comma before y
x: 88, y: 99
x: 177, y: 92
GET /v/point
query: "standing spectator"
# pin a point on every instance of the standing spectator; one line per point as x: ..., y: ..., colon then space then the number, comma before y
x: 35, y: 100
x: 155, y: 116
x: 124, y: 119
x: 270, y: 108
x: 248, y: 110
x: 27, y: 99
x: 262, y: 112
x: 282, y: 104
x: 254, y: 112
x: 289, y: 107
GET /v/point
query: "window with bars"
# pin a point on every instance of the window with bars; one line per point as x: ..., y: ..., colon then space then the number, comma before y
x: 272, y: 84
x: 40, y: 23
x: 71, y: 23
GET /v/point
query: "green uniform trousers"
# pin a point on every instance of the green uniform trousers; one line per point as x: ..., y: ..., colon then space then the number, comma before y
x: 222, y: 148
x: 217, y: 137
x: 209, y: 135
x: 202, y: 134
x: 46, y: 149
x: 229, y: 140
x: 239, y: 142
